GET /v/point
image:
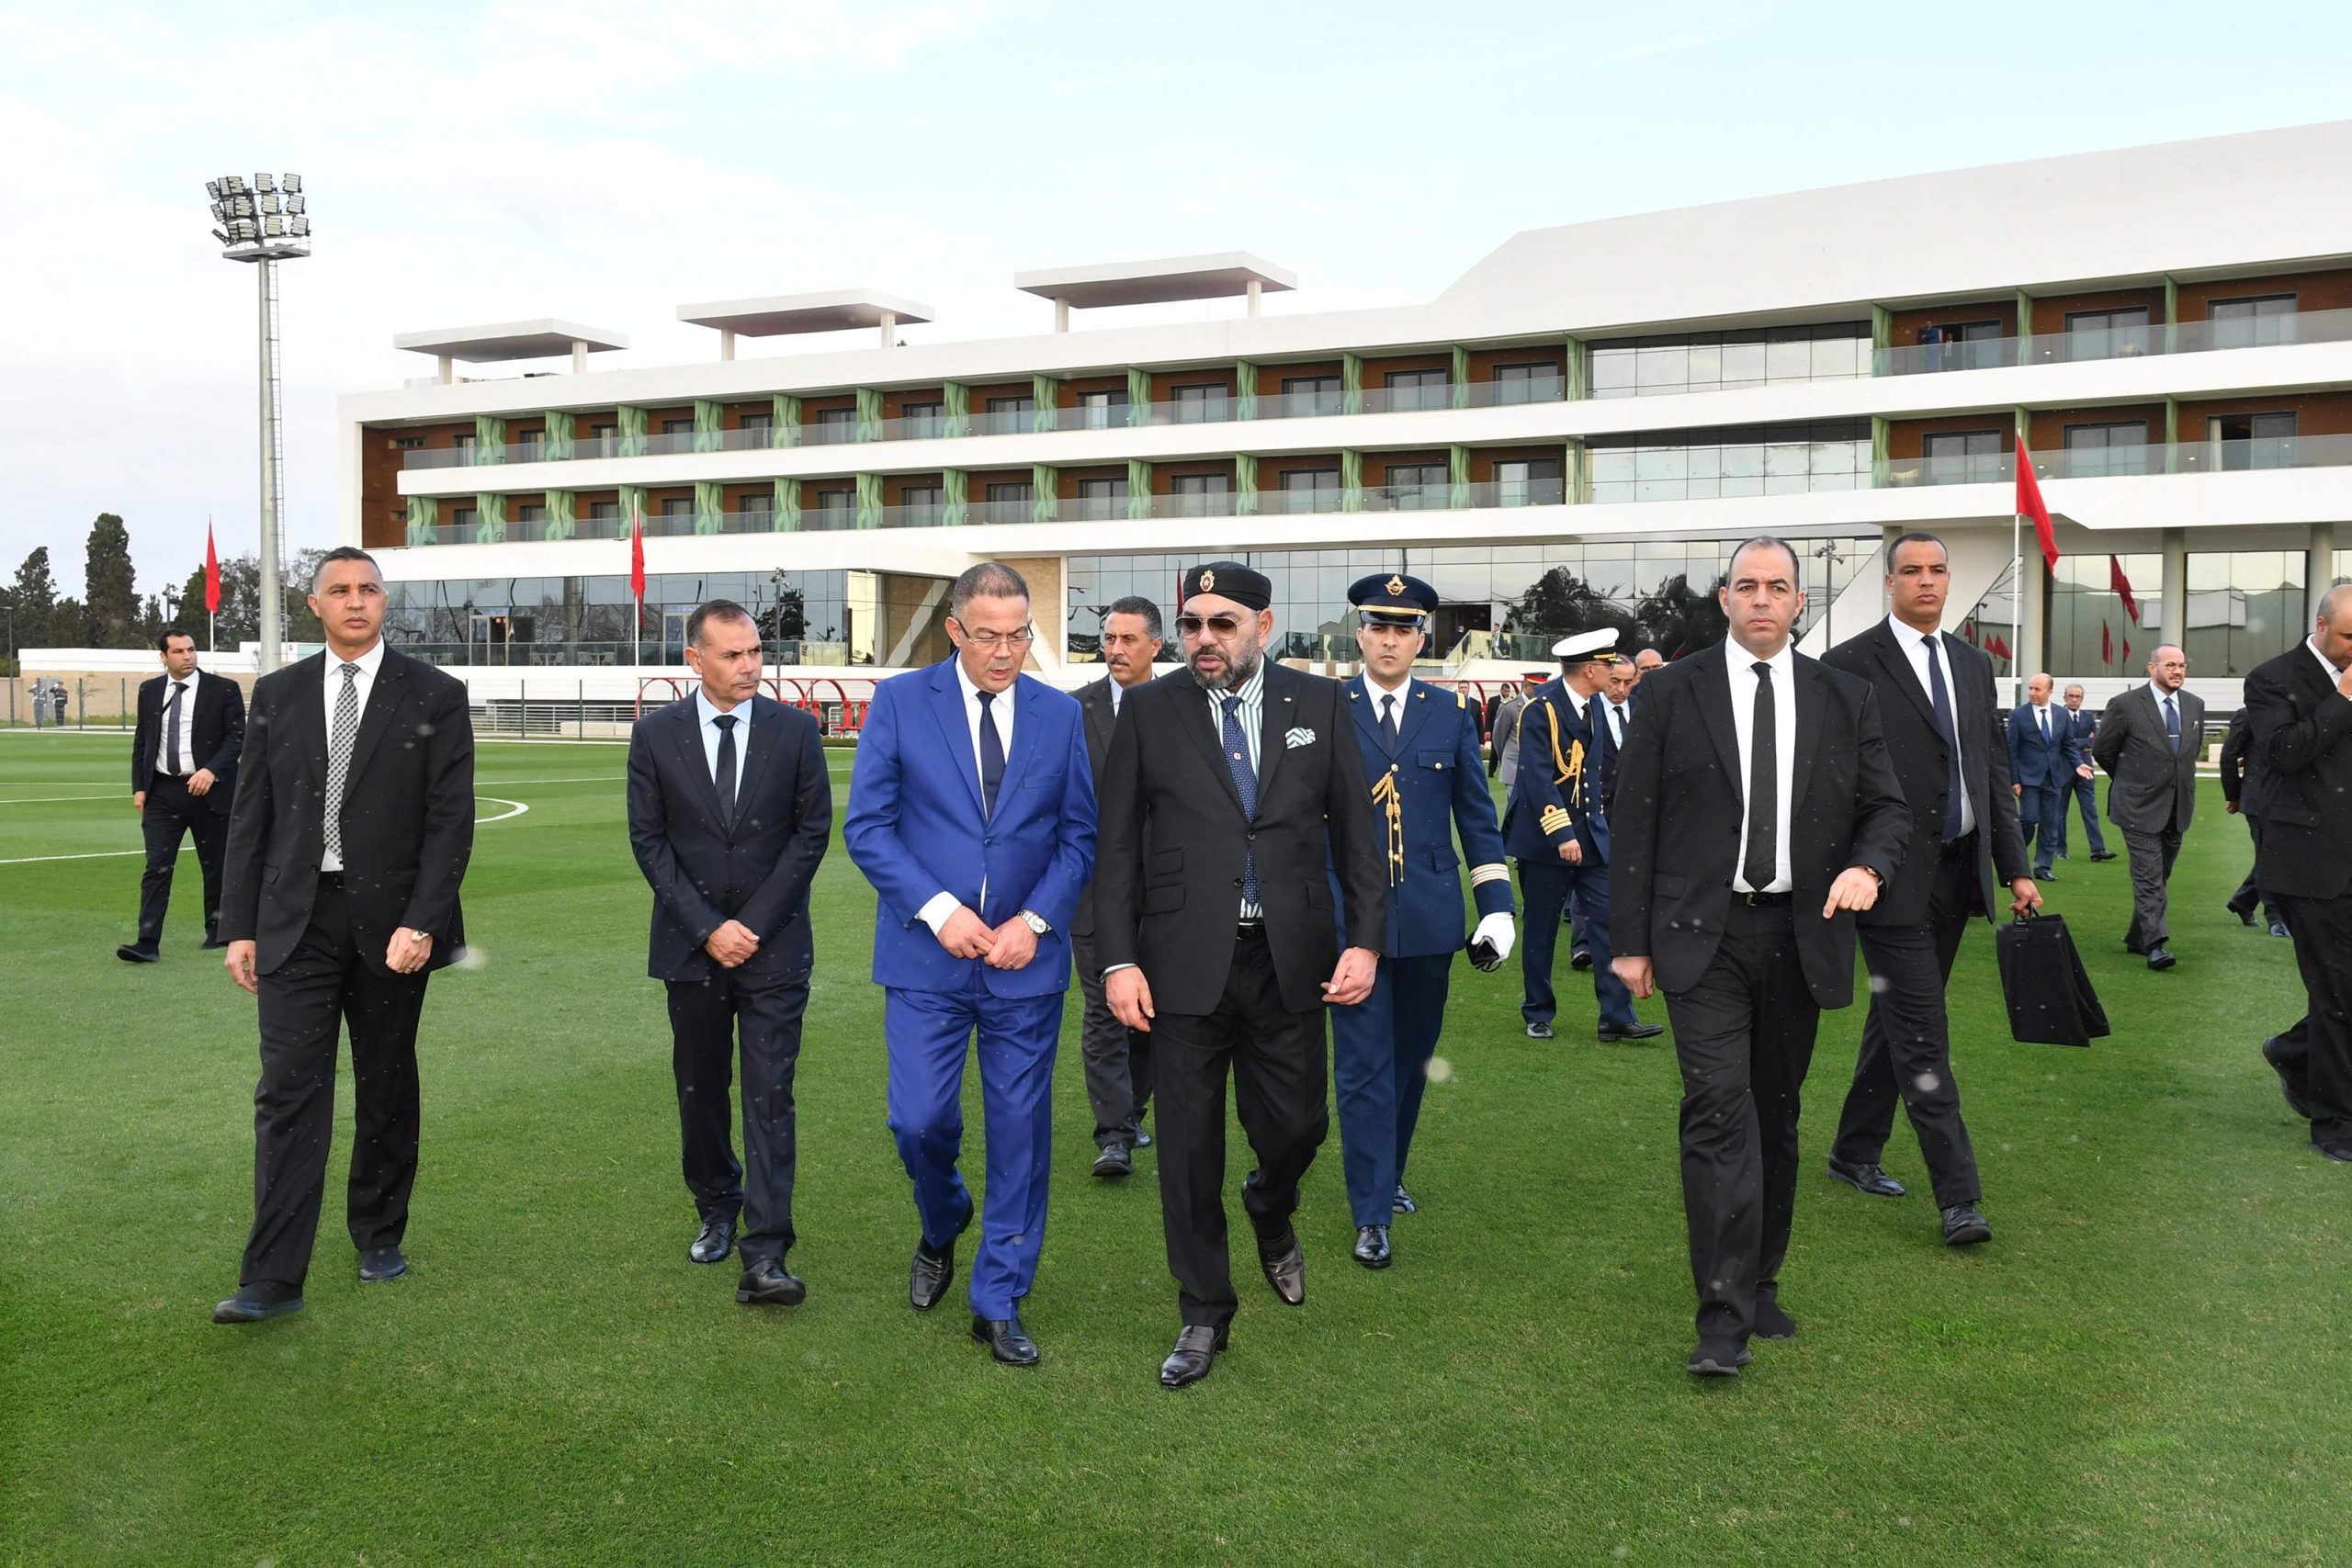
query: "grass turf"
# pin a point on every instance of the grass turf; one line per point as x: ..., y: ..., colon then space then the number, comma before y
x: 2145, y: 1364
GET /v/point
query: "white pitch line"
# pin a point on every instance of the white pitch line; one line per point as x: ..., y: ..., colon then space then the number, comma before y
x: 503, y: 816
x: 53, y: 799
x: 95, y: 854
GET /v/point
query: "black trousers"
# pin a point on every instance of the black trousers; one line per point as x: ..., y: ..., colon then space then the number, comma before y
x: 1907, y: 1040
x: 1744, y: 1038
x: 2249, y: 892
x: 706, y: 1019
x: 2319, y: 1049
x: 1118, y: 1059
x: 170, y: 813
x: 305, y: 1002
x: 1276, y: 1060
x: 2152, y: 857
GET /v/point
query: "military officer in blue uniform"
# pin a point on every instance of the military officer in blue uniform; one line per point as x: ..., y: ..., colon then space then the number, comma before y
x: 1556, y: 824
x: 1421, y: 753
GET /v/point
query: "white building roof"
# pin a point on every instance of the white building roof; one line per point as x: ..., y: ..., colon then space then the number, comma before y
x: 542, y: 339
x: 780, y: 314
x: 1217, y: 276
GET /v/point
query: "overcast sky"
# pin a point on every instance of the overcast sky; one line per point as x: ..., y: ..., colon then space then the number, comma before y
x: 606, y: 162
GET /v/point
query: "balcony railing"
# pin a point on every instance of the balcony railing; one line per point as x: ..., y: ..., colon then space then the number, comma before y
x: 2116, y: 342
x: 2110, y: 462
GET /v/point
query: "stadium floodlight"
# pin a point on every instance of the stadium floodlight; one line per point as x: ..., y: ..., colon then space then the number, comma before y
x: 266, y: 223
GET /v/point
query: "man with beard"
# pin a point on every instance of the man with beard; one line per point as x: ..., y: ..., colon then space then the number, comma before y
x: 2149, y: 740
x: 1254, y: 804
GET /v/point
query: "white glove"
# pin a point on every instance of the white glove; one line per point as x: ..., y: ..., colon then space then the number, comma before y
x: 1498, y: 930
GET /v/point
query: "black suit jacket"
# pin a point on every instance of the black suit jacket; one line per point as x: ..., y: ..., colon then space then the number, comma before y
x: 1923, y: 767
x: 1100, y: 719
x: 408, y: 812
x: 2302, y: 731
x: 218, y: 715
x: 2245, y: 775
x: 1681, y: 799
x: 1171, y: 840
x: 2155, y: 785
x: 704, y: 875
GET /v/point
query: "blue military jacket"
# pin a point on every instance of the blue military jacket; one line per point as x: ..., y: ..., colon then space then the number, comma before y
x: 1431, y: 787
x: 1564, y: 765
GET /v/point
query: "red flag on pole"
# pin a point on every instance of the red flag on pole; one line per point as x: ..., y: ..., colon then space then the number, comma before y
x: 636, y: 552
x: 2121, y: 586
x: 211, y: 573
x: 2127, y: 652
x: 2031, y: 505
x: 2106, y: 645
x: 1996, y: 646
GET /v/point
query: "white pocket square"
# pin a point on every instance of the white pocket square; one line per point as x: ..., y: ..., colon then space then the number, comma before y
x: 1294, y: 739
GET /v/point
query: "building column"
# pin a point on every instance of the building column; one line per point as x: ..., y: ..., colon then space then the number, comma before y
x: 1048, y: 608
x: 2320, y: 574
x: 1061, y: 315
x: 2176, y: 591
x: 889, y: 325
x: 449, y: 371
x: 2032, y: 596
x: 1252, y: 296
x: 726, y: 343
x: 578, y: 356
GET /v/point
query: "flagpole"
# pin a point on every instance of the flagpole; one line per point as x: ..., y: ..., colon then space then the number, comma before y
x: 2016, y: 604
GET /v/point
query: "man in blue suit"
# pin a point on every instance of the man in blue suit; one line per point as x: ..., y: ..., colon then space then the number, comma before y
x: 2083, y: 789
x: 2045, y: 762
x: 972, y: 812
x: 1421, y: 751
x: 1557, y: 827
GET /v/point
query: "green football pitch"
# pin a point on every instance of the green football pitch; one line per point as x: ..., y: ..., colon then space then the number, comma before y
x: 2147, y: 1364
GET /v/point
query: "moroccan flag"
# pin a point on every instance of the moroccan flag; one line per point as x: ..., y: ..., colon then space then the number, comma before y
x: 2031, y: 505
x: 2106, y: 645
x: 211, y: 572
x: 2121, y: 587
x: 2127, y: 652
x: 636, y: 554
x: 1997, y: 646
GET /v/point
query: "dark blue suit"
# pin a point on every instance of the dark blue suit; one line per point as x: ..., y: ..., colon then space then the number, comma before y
x: 2082, y: 791
x: 916, y: 827
x: 1431, y: 786
x: 1559, y: 796
x: 2043, y: 770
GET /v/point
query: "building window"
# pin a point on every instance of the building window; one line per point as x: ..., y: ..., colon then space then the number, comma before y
x: 1964, y: 456
x: 2108, y: 334
x: 2099, y: 451
x: 835, y: 425
x: 1411, y: 390
x: 1534, y: 481
x: 677, y: 427
x: 1198, y: 405
x: 1311, y: 395
x: 605, y: 439
x: 1311, y: 490
x: 2106, y: 614
x: 832, y: 509
x: 1955, y: 346
x: 1011, y: 500
x: 1101, y: 410
x: 757, y: 421
x: 1099, y: 500
x: 1415, y: 487
x: 920, y: 505
x: 1769, y: 459
x: 408, y: 443
x: 1712, y: 362
x: 2257, y: 321
x: 528, y: 513
x: 757, y: 503
x: 1200, y: 495
x: 1526, y: 384
x: 1009, y: 416
x: 463, y: 443
x: 2249, y: 441
x: 920, y: 420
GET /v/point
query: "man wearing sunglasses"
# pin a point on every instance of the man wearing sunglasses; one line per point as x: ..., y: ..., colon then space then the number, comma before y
x: 1214, y: 924
x: 971, y: 810
x: 1420, y: 750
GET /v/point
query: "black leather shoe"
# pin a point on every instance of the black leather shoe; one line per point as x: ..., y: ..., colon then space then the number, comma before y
x: 1143, y: 1139
x: 130, y: 953
x: 1963, y: 1226
x: 2295, y: 1102
x: 714, y: 1241
x: 1285, y: 1268
x: 1115, y: 1162
x: 1580, y: 959
x: 1771, y: 1323
x: 1718, y: 1359
x: 766, y: 1283
x: 212, y: 943
x: 2278, y: 927
x: 1196, y: 1349
x: 935, y: 1269
x: 1371, y: 1247
x: 1869, y: 1181
x: 2045, y: 874
x: 254, y: 1303
x: 381, y: 1263
x: 2158, y: 958
x: 1006, y: 1339
x: 2104, y: 855
x: 1639, y: 1032
x: 1539, y: 1032
x: 2245, y: 916
x: 1403, y: 1203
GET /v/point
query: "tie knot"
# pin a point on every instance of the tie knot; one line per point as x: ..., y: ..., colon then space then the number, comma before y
x: 986, y: 697
x: 1763, y: 670
x: 350, y: 671
x: 725, y: 721
x: 1928, y: 641
x: 1232, y: 705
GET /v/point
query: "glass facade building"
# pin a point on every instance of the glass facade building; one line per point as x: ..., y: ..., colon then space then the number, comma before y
x: 805, y: 617
x: 1716, y: 362
x: 1705, y: 465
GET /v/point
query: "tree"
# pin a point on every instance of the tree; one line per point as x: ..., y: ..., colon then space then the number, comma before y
x: 35, y: 600
x: 1559, y: 602
x: 298, y: 625
x: 1677, y: 617
x: 110, y: 586
x: 240, y: 618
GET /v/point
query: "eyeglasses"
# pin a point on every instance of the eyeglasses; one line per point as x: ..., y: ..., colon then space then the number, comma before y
x: 1021, y: 638
x: 1220, y: 627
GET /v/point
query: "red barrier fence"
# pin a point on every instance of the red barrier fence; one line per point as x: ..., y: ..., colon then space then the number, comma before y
x: 838, y: 705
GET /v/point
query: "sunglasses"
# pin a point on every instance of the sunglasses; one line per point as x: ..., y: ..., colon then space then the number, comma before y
x: 1220, y: 627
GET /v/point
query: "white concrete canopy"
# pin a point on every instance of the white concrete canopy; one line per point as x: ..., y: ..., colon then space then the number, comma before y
x: 1224, y: 275
x: 542, y: 339
x: 779, y: 315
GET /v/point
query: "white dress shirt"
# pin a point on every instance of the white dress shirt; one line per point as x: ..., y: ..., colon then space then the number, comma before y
x: 1376, y: 693
x: 1253, y: 694
x: 2163, y: 697
x: 1617, y: 717
x: 1737, y: 666
x: 182, y: 761
x: 1914, y: 648
x: 708, y: 711
x: 331, y: 689
x: 942, y: 903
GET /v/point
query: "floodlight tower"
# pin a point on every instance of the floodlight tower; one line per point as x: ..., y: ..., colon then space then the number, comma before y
x: 266, y: 223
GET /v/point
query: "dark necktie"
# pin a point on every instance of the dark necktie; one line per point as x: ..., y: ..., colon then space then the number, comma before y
x: 2045, y: 725
x: 992, y: 755
x: 726, y: 775
x: 172, y: 728
x: 2172, y: 722
x: 1245, y: 784
x: 342, y: 736
x: 1616, y: 725
x: 1389, y: 722
x: 1763, y: 787
x: 1940, y: 696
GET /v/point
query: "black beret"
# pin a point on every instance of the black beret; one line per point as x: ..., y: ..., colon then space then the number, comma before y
x: 1230, y: 579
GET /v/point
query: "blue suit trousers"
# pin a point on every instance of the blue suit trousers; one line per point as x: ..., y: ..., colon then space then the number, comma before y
x: 1380, y: 1055
x: 1544, y: 888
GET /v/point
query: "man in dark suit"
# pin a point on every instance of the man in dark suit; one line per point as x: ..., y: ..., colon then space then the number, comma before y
x: 971, y: 810
x: 1214, y: 923
x: 730, y: 810
x: 2244, y: 786
x: 2301, y: 703
x: 1757, y: 812
x: 353, y: 824
x: 183, y: 776
x: 2083, y: 788
x: 2149, y: 739
x: 2044, y: 763
x: 1941, y: 713
x: 1118, y: 1059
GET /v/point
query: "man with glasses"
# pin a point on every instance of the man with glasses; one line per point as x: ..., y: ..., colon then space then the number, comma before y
x: 1213, y: 921
x: 971, y: 810
x: 1420, y: 750
x: 2149, y: 740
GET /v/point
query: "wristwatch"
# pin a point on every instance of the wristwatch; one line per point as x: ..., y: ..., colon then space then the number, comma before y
x: 1035, y: 922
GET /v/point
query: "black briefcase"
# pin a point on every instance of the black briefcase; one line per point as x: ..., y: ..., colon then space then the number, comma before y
x: 2049, y: 997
